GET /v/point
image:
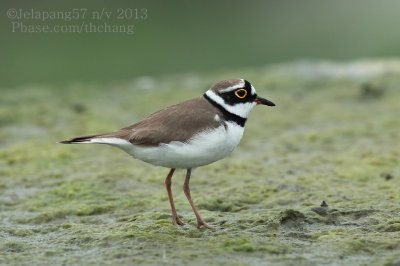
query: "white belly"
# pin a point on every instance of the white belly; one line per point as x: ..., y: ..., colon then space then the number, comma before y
x: 204, y: 148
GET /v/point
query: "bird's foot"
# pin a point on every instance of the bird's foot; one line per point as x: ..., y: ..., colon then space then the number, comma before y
x: 202, y: 224
x: 177, y: 221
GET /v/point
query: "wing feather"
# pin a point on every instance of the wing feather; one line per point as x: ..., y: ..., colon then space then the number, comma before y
x: 175, y: 123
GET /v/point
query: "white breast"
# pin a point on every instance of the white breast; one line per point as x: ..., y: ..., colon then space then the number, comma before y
x: 203, y: 148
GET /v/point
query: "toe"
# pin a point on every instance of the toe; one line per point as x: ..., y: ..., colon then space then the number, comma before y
x: 177, y: 221
x: 203, y: 224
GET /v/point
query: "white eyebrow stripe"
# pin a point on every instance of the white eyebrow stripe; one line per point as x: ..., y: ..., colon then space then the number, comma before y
x: 240, y: 85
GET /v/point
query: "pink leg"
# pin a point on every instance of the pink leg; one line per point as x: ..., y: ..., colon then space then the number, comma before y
x: 168, y: 182
x: 200, y: 222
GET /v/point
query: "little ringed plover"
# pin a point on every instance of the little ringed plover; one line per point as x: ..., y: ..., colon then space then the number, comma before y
x: 189, y: 134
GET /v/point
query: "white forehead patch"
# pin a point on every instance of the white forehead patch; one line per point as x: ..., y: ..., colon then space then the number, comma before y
x: 232, y: 88
x: 253, y: 91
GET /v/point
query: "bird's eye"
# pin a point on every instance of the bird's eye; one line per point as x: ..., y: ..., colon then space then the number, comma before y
x: 241, y: 93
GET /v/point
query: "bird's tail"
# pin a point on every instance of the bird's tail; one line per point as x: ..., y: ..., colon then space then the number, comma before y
x: 82, y: 139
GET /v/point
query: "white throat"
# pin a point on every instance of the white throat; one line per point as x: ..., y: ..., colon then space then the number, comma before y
x: 239, y: 109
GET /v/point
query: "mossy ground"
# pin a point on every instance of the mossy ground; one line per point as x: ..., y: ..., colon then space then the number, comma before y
x: 333, y: 136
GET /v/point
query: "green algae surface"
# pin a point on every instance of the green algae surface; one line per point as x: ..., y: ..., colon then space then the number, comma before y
x: 314, y: 181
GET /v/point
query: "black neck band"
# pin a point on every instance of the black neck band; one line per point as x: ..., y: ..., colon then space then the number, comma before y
x: 227, y: 115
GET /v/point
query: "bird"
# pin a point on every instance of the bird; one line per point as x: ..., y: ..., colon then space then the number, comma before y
x: 187, y: 135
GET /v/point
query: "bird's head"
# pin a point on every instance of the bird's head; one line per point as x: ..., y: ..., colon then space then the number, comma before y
x: 236, y: 96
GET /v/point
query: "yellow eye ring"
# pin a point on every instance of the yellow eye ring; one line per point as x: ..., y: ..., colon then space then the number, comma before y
x: 241, y: 93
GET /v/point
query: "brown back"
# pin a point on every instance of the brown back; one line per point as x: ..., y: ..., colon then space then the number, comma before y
x: 178, y: 122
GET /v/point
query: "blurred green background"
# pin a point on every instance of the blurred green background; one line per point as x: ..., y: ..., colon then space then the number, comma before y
x: 189, y: 36
x: 333, y: 136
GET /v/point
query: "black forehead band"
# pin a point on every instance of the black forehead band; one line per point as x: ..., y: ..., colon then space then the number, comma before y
x: 247, y: 85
